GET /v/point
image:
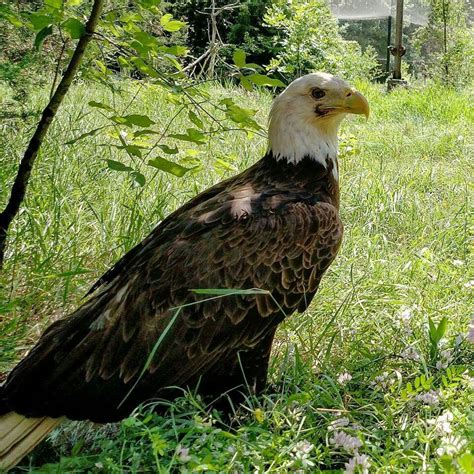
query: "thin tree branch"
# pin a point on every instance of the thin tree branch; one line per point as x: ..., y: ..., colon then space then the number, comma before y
x: 26, y: 165
x: 58, y: 65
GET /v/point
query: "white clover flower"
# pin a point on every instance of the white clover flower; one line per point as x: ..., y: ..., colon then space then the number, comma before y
x: 405, y: 315
x: 470, y: 332
x: 345, y: 441
x: 183, y: 454
x: 410, y: 353
x: 303, y: 447
x: 344, y: 378
x: 458, y: 263
x: 442, y: 423
x: 469, y: 284
x: 339, y: 423
x: 428, y: 398
x: 451, y: 445
x: 301, y: 451
x: 359, y: 460
x: 447, y: 354
x: 383, y: 381
x: 445, y: 358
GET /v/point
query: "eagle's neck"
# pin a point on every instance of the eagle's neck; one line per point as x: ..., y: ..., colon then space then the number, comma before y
x: 307, y: 176
x: 292, y: 138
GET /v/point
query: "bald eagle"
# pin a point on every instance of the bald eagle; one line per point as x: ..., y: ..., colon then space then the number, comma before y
x: 275, y: 227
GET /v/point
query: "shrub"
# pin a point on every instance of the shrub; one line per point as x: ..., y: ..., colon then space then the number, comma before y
x: 310, y: 40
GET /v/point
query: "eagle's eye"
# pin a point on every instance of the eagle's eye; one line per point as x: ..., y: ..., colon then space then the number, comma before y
x: 318, y: 93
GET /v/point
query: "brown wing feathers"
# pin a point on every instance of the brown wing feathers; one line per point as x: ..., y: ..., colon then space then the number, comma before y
x: 245, y: 233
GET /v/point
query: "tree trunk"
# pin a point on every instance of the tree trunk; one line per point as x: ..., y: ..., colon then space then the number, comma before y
x: 26, y: 165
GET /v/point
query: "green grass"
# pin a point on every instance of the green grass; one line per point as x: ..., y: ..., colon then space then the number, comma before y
x: 405, y: 260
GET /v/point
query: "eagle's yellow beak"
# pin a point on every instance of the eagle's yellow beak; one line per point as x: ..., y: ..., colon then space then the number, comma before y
x: 355, y: 103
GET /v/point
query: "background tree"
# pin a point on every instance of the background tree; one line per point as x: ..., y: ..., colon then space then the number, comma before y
x: 76, y: 31
x: 444, y: 47
x: 309, y: 39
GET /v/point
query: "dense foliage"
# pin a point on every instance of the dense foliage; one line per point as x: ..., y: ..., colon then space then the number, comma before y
x: 310, y: 40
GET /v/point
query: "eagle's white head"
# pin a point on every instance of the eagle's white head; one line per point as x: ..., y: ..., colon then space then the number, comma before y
x: 305, y: 117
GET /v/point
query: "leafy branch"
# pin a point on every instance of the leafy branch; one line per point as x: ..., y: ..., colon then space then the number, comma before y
x: 26, y: 165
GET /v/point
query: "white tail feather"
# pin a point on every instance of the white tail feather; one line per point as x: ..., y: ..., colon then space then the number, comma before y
x: 19, y: 435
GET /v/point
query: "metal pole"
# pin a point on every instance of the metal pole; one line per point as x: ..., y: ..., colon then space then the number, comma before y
x: 389, y: 40
x: 399, y: 50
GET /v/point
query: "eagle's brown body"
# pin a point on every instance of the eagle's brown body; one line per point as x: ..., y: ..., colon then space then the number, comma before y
x: 274, y: 227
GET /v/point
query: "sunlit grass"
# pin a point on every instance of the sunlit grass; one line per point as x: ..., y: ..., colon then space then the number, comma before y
x: 405, y: 258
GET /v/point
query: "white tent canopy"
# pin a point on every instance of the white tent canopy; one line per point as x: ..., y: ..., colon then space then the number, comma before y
x: 415, y: 11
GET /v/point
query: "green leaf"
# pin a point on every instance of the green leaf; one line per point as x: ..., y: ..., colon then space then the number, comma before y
x: 262, y: 80
x: 165, y: 18
x: 195, y: 119
x: 171, y: 25
x: 138, y: 178
x: 146, y: 39
x: 169, y: 166
x: 225, y: 165
x: 466, y: 461
x: 432, y: 330
x: 239, y: 58
x: 193, y: 135
x: 133, y: 119
x: 41, y: 36
x: 149, y: 3
x: 253, y: 66
x: 100, y: 105
x: 78, y: 271
x: 40, y: 21
x: 139, y: 120
x: 242, y: 116
x: 144, y: 133
x: 57, y: 4
x: 175, y: 50
x: 238, y: 114
x: 117, y: 166
x: 84, y: 135
x: 168, y: 150
x: 229, y: 291
x: 246, y: 83
x: 441, y: 330
x: 144, y: 68
x: 74, y: 28
x: 132, y: 149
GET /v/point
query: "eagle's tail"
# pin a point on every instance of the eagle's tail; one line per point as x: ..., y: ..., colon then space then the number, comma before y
x: 19, y: 435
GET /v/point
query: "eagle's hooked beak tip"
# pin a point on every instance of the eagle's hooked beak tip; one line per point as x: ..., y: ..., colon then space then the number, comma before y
x: 356, y: 103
